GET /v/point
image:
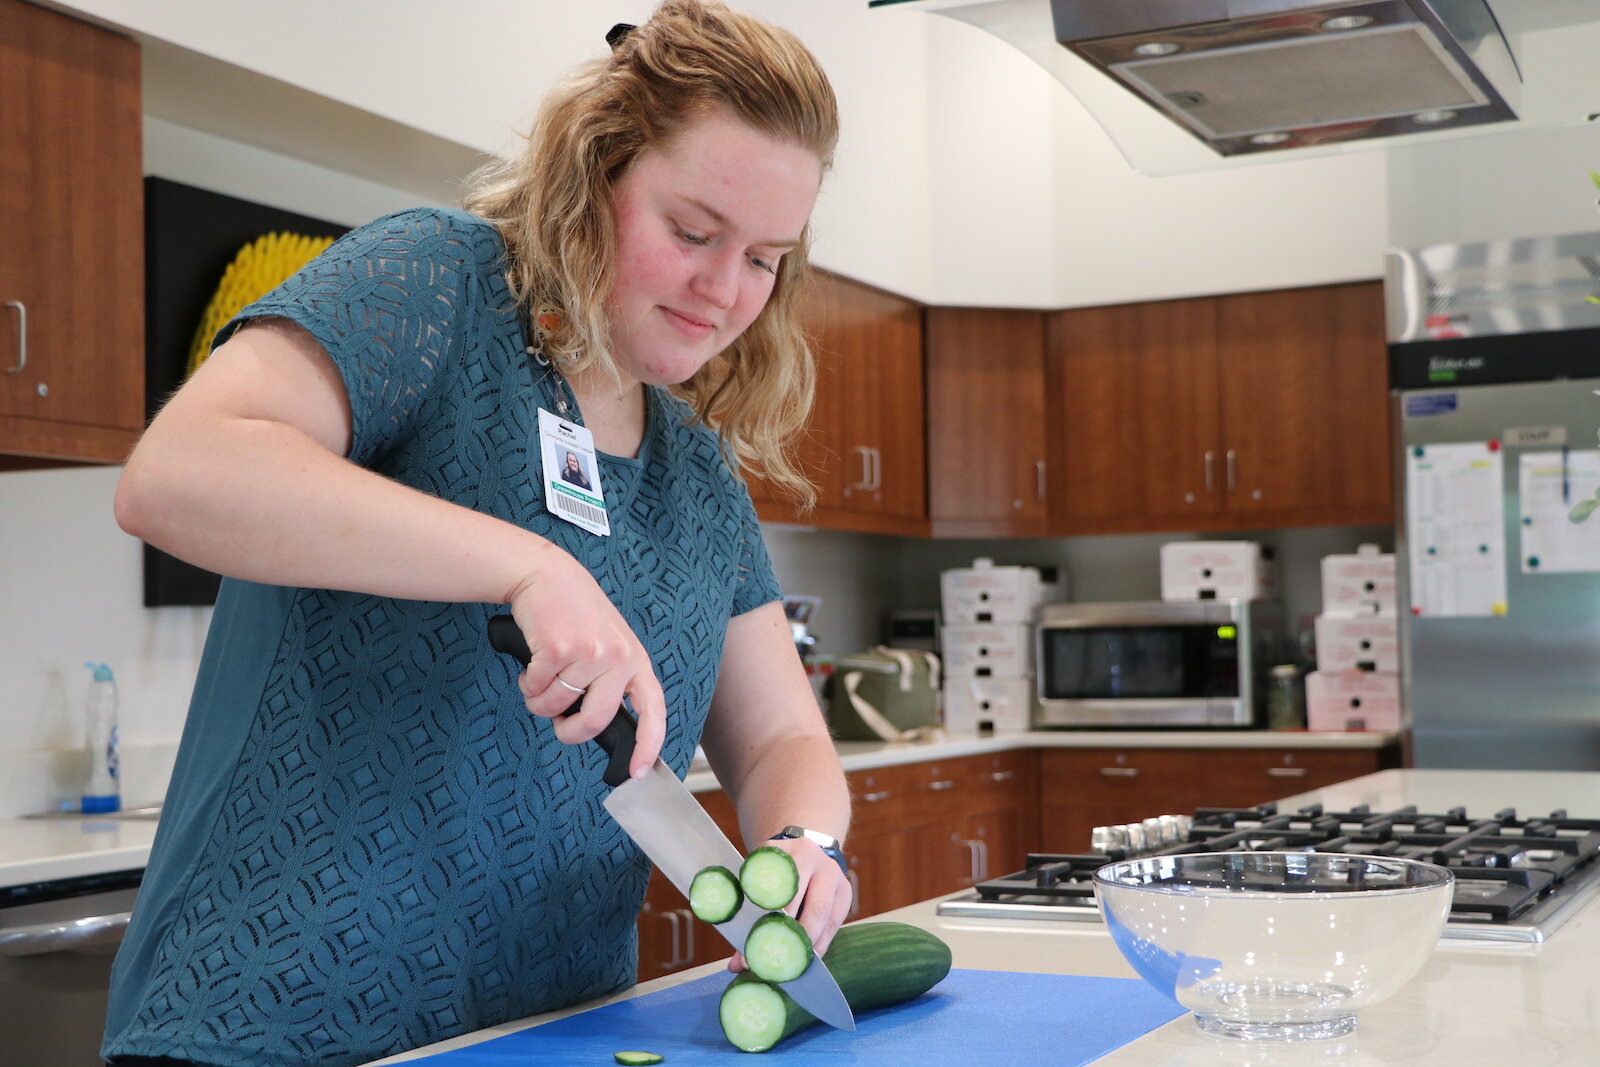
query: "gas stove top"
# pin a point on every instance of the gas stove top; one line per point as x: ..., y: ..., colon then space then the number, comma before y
x: 1517, y: 880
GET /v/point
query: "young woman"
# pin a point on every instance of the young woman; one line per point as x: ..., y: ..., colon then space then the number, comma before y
x: 369, y: 843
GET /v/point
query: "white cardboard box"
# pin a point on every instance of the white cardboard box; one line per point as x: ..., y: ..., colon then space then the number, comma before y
x: 1358, y: 642
x: 1001, y: 649
x: 1352, y: 700
x: 1004, y: 703
x: 1359, y: 584
x: 1215, y: 570
x: 986, y: 593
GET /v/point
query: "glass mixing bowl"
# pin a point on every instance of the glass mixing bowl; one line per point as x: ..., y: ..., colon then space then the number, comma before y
x: 1275, y: 945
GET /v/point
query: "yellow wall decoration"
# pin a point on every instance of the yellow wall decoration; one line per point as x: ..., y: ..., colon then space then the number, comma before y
x: 260, y: 267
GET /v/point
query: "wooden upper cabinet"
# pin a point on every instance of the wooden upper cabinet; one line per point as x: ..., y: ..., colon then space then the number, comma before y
x: 1305, y: 413
x: 1247, y: 411
x: 864, y: 447
x: 988, y: 475
x: 72, y: 261
x: 1133, y: 393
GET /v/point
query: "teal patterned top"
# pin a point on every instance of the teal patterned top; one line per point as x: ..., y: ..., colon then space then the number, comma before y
x: 369, y: 845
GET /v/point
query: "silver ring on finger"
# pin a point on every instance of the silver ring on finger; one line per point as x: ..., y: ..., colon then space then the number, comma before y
x: 569, y: 685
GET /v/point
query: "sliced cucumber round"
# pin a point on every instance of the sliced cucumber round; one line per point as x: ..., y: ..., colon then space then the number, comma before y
x: 630, y: 1058
x: 777, y: 949
x: 769, y: 877
x: 714, y: 895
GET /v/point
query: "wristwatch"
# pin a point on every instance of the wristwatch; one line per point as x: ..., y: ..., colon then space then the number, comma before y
x: 831, y: 847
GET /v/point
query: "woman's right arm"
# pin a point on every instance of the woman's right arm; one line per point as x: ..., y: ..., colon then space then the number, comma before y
x: 244, y: 472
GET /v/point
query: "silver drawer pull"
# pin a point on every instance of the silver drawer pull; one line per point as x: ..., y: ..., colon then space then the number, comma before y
x: 22, y: 336
x: 1002, y: 776
x: 73, y: 936
x: 873, y: 798
x: 941, y: 786
x: 1120, y: 772
x: 1286, y: 772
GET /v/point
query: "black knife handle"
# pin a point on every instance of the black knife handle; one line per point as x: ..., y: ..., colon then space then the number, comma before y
x: 618, y: 736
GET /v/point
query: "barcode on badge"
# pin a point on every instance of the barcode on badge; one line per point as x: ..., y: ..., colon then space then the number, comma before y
x: 569, y: 506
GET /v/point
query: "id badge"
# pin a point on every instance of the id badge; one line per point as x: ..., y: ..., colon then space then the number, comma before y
x: 572, y: 474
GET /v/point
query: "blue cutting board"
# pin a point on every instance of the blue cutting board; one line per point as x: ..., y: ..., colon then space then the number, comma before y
x: 972, y: 1017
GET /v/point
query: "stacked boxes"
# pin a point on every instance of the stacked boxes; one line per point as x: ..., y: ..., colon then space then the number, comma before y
x: 1356, y: 685
x: 1216, y: 570
x: 987, y: 641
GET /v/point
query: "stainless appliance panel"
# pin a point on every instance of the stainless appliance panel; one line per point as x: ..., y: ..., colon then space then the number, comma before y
x: 55, y: 973
x: 1519, y: 691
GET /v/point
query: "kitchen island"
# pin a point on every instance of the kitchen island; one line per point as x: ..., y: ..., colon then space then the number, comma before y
x: 1473, y: 1003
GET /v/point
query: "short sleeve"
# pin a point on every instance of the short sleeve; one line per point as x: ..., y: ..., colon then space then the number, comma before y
x: 387, y: 302
x: 756, y: 584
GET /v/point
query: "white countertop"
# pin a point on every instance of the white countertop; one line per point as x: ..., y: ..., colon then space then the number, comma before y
x: 1473, y: 1003
x: 43, y: 850
x: 39, y: 850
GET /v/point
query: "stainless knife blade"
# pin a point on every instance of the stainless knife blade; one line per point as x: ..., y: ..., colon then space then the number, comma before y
x: 665, y: 820
x: 662, y: 817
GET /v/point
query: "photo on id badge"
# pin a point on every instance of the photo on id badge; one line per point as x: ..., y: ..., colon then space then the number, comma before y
x: 571, y: 473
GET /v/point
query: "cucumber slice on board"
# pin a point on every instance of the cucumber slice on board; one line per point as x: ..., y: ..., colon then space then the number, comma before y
x: 777, y: 949
x: 769, y: 877
x: 714, y: 895
x: 630, y: 1058
x: 877, y: 965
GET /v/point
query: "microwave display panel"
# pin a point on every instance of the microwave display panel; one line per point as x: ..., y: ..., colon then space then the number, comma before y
x: 1140, y: 662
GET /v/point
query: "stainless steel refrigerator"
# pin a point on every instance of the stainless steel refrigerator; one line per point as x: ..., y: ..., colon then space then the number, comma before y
x: 1495, y: 372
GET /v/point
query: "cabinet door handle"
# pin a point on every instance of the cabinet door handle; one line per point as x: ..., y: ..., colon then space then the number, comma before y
x: 974, y: 871
x: 1286, y: 772
x: 873, y: 798
x: 22, y: 336
x: 1233, y: 482
x: 688, y: 937
x: 939, y: 787
x: 866, y: 467
x: 1120, y: 772
x: 676, y: 921
x: 983, y: 861
x: 1039, y: 483
x: 1211, y: 477
x: 877, y: 469
x: 1001, y: 776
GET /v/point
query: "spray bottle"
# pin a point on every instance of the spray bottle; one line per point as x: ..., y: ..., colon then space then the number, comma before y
x: 103, y: 792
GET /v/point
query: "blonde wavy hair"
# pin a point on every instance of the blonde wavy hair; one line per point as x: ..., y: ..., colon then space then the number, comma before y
x: 554, y: 205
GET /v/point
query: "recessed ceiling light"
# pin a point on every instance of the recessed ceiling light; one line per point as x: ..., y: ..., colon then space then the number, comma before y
x: 1269, y: 138
x: 1155, y: 48
x: 1433, y: 118
x: 1346, y: 22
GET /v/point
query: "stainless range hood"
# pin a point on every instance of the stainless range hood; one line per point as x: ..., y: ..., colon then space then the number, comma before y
x: 1190, y: 85
x: 1273, y: 75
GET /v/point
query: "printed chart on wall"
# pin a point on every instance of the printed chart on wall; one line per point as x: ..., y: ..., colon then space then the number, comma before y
x: 1455, y: 518
x: 1560, y: 532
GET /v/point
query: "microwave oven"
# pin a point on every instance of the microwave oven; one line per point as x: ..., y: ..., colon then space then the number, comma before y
x: 1154, y: 663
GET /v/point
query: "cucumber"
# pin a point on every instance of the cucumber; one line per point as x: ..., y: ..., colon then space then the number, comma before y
x: 714, y: 895
x: 777, y: 948
x: 769, y: 877
x: 877, y: 965
x: 629, y: 1058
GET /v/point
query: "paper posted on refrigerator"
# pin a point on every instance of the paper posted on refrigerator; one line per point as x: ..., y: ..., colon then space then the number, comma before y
x: 1560, y: 531
x: 1455, y: 523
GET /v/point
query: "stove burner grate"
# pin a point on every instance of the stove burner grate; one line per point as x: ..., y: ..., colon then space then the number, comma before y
x: 1504, y: 866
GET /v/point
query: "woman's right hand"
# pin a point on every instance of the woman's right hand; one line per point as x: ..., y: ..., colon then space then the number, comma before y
x: 577, y: 637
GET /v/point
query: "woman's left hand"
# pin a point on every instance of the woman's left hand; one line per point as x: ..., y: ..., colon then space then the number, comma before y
x: 824, y: 898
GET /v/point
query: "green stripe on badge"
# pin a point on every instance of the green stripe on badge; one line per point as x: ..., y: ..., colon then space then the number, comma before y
x: 592, y: 501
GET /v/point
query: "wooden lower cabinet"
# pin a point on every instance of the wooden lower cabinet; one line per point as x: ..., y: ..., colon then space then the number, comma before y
x: 1081, y: 788
x: 922, y: 830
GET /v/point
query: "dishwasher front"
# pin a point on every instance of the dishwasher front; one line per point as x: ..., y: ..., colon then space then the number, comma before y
x: 57, y: 940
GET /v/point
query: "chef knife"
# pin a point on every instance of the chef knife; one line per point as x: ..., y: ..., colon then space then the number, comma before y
x: 667, y: 823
